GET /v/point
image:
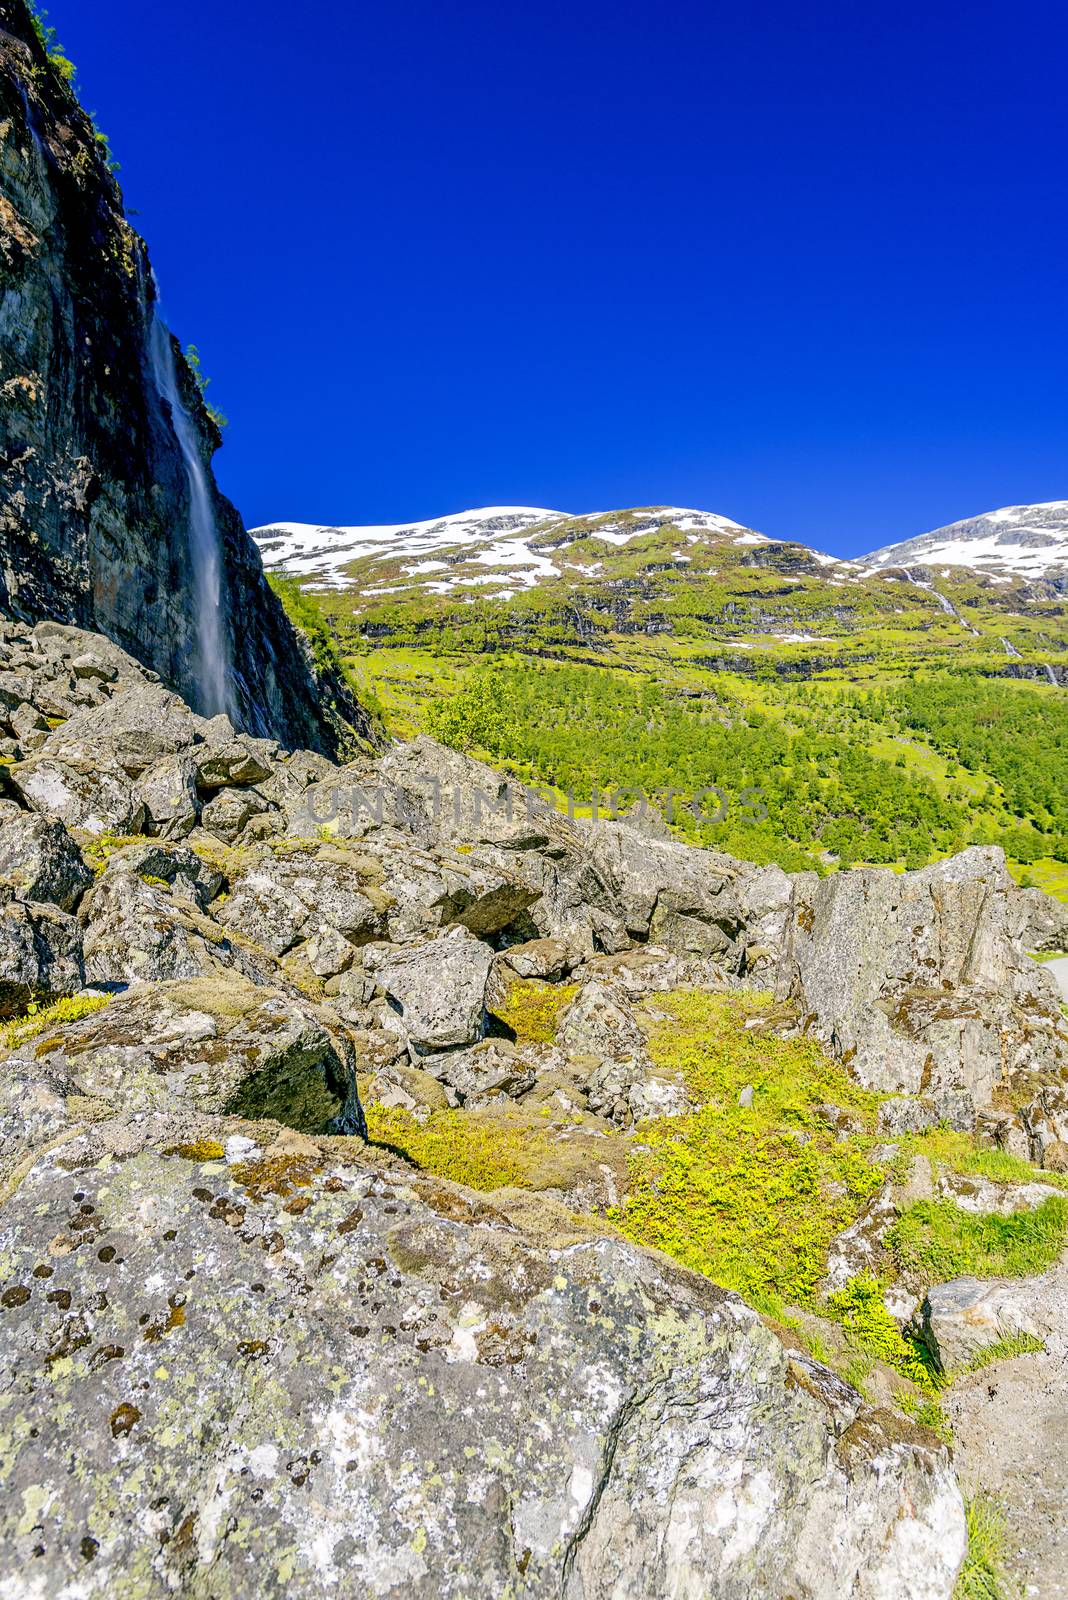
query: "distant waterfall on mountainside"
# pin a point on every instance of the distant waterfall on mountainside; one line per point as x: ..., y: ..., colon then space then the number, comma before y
x: 947, y: 605
x: 1010, y: 649
x: 213, y: 668
x: 1052, y: 676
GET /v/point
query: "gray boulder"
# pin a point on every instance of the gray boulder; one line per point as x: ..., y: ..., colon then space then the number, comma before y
x: 596, y: 1024
x: 92, y: 794
x: 685, y: 900
x: 229, y: 811
x: 963, y: 1318
x: 40, y: 860
x: 918, y: 983
x: 453, y: 1413
x: 168, y: 793
x: 40, y: 954
x: 437, y: 988
x: 307, y: 894
x: 1044, y: 921
x: 133, y: 729
x: 133, y: 931
x: 218, y: 1044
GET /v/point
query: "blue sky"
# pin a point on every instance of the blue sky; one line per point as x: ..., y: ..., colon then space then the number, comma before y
x: 803, y: 265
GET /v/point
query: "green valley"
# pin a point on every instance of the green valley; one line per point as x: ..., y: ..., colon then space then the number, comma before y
x: 844, y: 716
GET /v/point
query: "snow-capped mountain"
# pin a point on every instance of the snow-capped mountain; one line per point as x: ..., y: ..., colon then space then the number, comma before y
x: 1027, y: 541
x: 513, y: 545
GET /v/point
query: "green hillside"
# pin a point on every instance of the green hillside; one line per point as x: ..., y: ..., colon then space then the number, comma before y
x: 876, y: 723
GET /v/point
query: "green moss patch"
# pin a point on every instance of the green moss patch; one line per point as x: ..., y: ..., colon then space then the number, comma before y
x: 532, y: 1008
x: 938, y: 1241
x: 38, y: 1019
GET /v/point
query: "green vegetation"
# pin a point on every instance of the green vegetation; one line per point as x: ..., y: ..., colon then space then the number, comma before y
x: 37, y: 1019
x: 845, y: 722
x: 960, y: 1153
x: 925, y: 1410
x: 1005, y: 1349
x: 330, y: 667
x: 58, y: 59
x: 192, y: 356
x: 531, y: 1008
x: 982, y: 1577
x: 751, y: 1197
x: 938, y: 1240
x: 873, y: 1332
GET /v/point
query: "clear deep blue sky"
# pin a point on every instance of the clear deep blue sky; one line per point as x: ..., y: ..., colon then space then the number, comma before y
x: 803, y: 264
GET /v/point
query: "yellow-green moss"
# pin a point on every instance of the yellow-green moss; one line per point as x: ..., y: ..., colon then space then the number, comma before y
x: 872, y: 1331
x: 939, y: 1241
x: 961, y: 1153
x: 197, y: 1150
x: 513, y: 1148
x: 532, y: 1008
x: 751, y: 1197
x: 38, y: 1019
x: 99, y: 848
x: 720, y: 1044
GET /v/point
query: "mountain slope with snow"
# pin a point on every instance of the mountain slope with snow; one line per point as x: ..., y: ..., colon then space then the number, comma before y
x: 1026, y: 541
x: 496, y: 548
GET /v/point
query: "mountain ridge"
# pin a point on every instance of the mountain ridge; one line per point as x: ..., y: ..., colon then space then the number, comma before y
x: 1028, y: 540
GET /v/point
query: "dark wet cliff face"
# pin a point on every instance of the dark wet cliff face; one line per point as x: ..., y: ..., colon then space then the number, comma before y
x: 94, y: 494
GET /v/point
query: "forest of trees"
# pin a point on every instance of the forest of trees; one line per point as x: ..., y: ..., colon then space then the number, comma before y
x: 823, y: 789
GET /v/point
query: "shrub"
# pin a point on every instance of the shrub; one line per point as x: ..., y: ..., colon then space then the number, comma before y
x: 871, y: 1329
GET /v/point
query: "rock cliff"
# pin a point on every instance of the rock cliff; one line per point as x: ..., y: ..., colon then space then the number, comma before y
x: 96, y: 495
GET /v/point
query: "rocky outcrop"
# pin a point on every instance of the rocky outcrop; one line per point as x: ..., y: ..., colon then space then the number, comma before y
x: 267, y: 931
x: 918, y: 982
x: 211, y: 1044
x: 283, y: 1369
x: 95, y: 492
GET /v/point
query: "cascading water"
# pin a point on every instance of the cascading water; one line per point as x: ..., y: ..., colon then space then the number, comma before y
x: 1052, y: 676
x: 947, y: 605
x: 213, y: 669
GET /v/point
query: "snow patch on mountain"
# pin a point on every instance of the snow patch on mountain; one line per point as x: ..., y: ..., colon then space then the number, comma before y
x: 1027, y: 541
x: 492, y: 536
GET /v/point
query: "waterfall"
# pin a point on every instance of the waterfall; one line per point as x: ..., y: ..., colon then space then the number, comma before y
x: 213, y: 667
x: 1052, y: 676
x: 947, y: 605
x: 1010, y: 649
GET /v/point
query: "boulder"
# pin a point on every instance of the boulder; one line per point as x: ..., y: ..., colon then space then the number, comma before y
x: 168, y: 793
x: 229, y: 811
x: 438, y: 988
x: 40, y: 860
x: 969, y: 1315
x: 596, y: 1024
x: 683, y: 899
x: 133, y: 729
x: 137, y: 931
x: 452, y: 1412
x: 40, y: 954
x: 1044, y: 921
x: 550, y: 959
x: 237, y: 761
x: 482, y: 1073
x: 306, y: 894
x: 95, y: 796
x: 218, y: 1044
x: 917, y: 982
